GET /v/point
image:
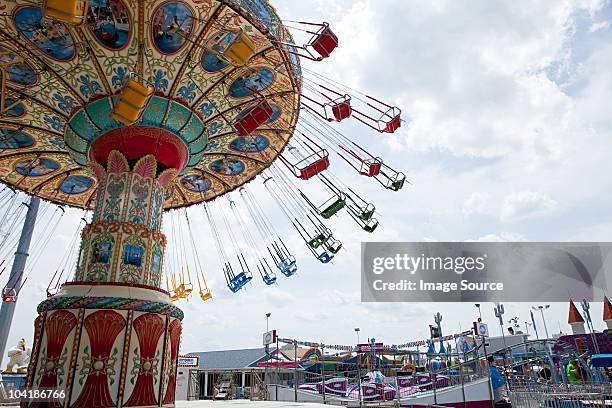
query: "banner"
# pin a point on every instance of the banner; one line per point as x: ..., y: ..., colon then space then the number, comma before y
x: 484, y: 271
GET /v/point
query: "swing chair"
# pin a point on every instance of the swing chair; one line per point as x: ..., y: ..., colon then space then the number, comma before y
x: 321, y: 236
x: 52, y: 291
x: 3, y: 91
x: 72, y: 12
x: 365, y: 164
x: 204, y: 292
x: 391, y: 179
x: 323, y: 42
x: 368, y: 225
x: 233, y: 46
x: 9, y: 294
x: 357, y: 206
x: 132, y: 101
x: 316, y: 242
x: 333, y: 245
x: 330, y: 207
x: 253, y: 117
x: 237, y: 282
x: 174, y: 293
x: 389, y: 120
x: 284, y: 261
x: 266, y: 273
x: 186, y: 285
x: 337, y: 108
x: 311, y: 165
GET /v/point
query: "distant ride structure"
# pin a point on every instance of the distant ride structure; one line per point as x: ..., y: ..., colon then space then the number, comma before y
x: 129, y: 109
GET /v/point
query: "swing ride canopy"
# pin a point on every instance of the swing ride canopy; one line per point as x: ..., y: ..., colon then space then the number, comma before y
x: 62, y: 82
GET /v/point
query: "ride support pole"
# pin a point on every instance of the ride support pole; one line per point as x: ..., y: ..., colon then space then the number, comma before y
x: 295, y: 371
x: 359, y: 375
x: 460, y: 371
x: 323, y: 372
x: 277, y: 368
x: 484, y: 347
x: 7, y: 310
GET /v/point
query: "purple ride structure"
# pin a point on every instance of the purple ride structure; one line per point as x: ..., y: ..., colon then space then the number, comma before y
x: 131, y: 108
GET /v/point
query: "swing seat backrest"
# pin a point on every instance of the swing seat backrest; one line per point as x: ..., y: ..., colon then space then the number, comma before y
x: 249, y: 120
x: 393, y: 124
x: 324, y: 42
x: 333, y: 208
x: 132, y: 102
x: 371, y: 225
x: 236, y: 47
x: 342, y: 110
x: 325, y: 258
x: 334, y: 247
x: 269, y: 280
x: 239, y: 281
x: 398, y: 182
x: 206, y: 296
x: 316, y: 241
x: 67, y: 11
x: 315, y: 168
x: 371, y: 167
x: 367, y: 212
x: 288, y: 268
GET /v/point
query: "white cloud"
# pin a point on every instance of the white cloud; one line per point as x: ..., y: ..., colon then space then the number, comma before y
x: 477, y: 203
x: 526, y: 204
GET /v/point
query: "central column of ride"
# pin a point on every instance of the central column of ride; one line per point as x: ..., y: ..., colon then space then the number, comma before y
x: 110, y: 338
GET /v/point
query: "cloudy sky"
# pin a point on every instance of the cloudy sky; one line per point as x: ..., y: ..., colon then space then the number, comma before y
x: 507, y: 138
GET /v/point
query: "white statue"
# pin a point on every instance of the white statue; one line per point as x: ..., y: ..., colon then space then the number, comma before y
x: 19, y: 356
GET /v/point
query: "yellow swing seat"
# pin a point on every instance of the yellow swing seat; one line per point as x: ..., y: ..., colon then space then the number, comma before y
x: 132, y: 102
x: 66, y: 11
x: 236, y: 47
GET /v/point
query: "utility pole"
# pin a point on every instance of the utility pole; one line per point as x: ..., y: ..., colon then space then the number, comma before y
x: 7, y: 310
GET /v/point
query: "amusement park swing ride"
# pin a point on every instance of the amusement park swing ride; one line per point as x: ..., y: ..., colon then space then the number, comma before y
x: 131, y: 110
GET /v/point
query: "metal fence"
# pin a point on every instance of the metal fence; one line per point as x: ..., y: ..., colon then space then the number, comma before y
x: 561, y: 396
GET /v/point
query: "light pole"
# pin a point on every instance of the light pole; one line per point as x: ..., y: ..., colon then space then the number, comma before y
x: 438, y: 320
x: 358, y: 364
x: 267, y: 354
x: 542, y: 308
x: 479, y: 312
x: 535, y: 327
x: 499, y: 313
x: 586, y: 309
x: 527, y: 324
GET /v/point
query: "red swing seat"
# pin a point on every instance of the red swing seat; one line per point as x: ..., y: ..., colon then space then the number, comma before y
x: 370, y: 167
x: 341, y: 108
x: 324, y: 41
x: 251, y: 118
x: 314, y: 168
x: 393, y: 124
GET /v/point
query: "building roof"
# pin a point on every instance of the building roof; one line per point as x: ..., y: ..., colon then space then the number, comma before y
x: 231, y: 359
x: 574, y: 314
x: 607, y: 310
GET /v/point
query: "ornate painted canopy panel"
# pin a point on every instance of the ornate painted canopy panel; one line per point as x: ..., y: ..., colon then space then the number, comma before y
x: 62, y: 81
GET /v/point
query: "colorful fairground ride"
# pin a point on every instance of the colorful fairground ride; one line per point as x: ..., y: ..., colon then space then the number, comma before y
x: 130, y: 109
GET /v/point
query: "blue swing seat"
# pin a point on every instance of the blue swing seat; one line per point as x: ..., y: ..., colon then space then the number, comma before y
x: 239, y: 281
x: 325, y: 257
x: 269, y: 279
x: 288, y: 267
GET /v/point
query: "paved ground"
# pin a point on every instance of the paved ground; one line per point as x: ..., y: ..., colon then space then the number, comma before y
x: 245, y: 403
